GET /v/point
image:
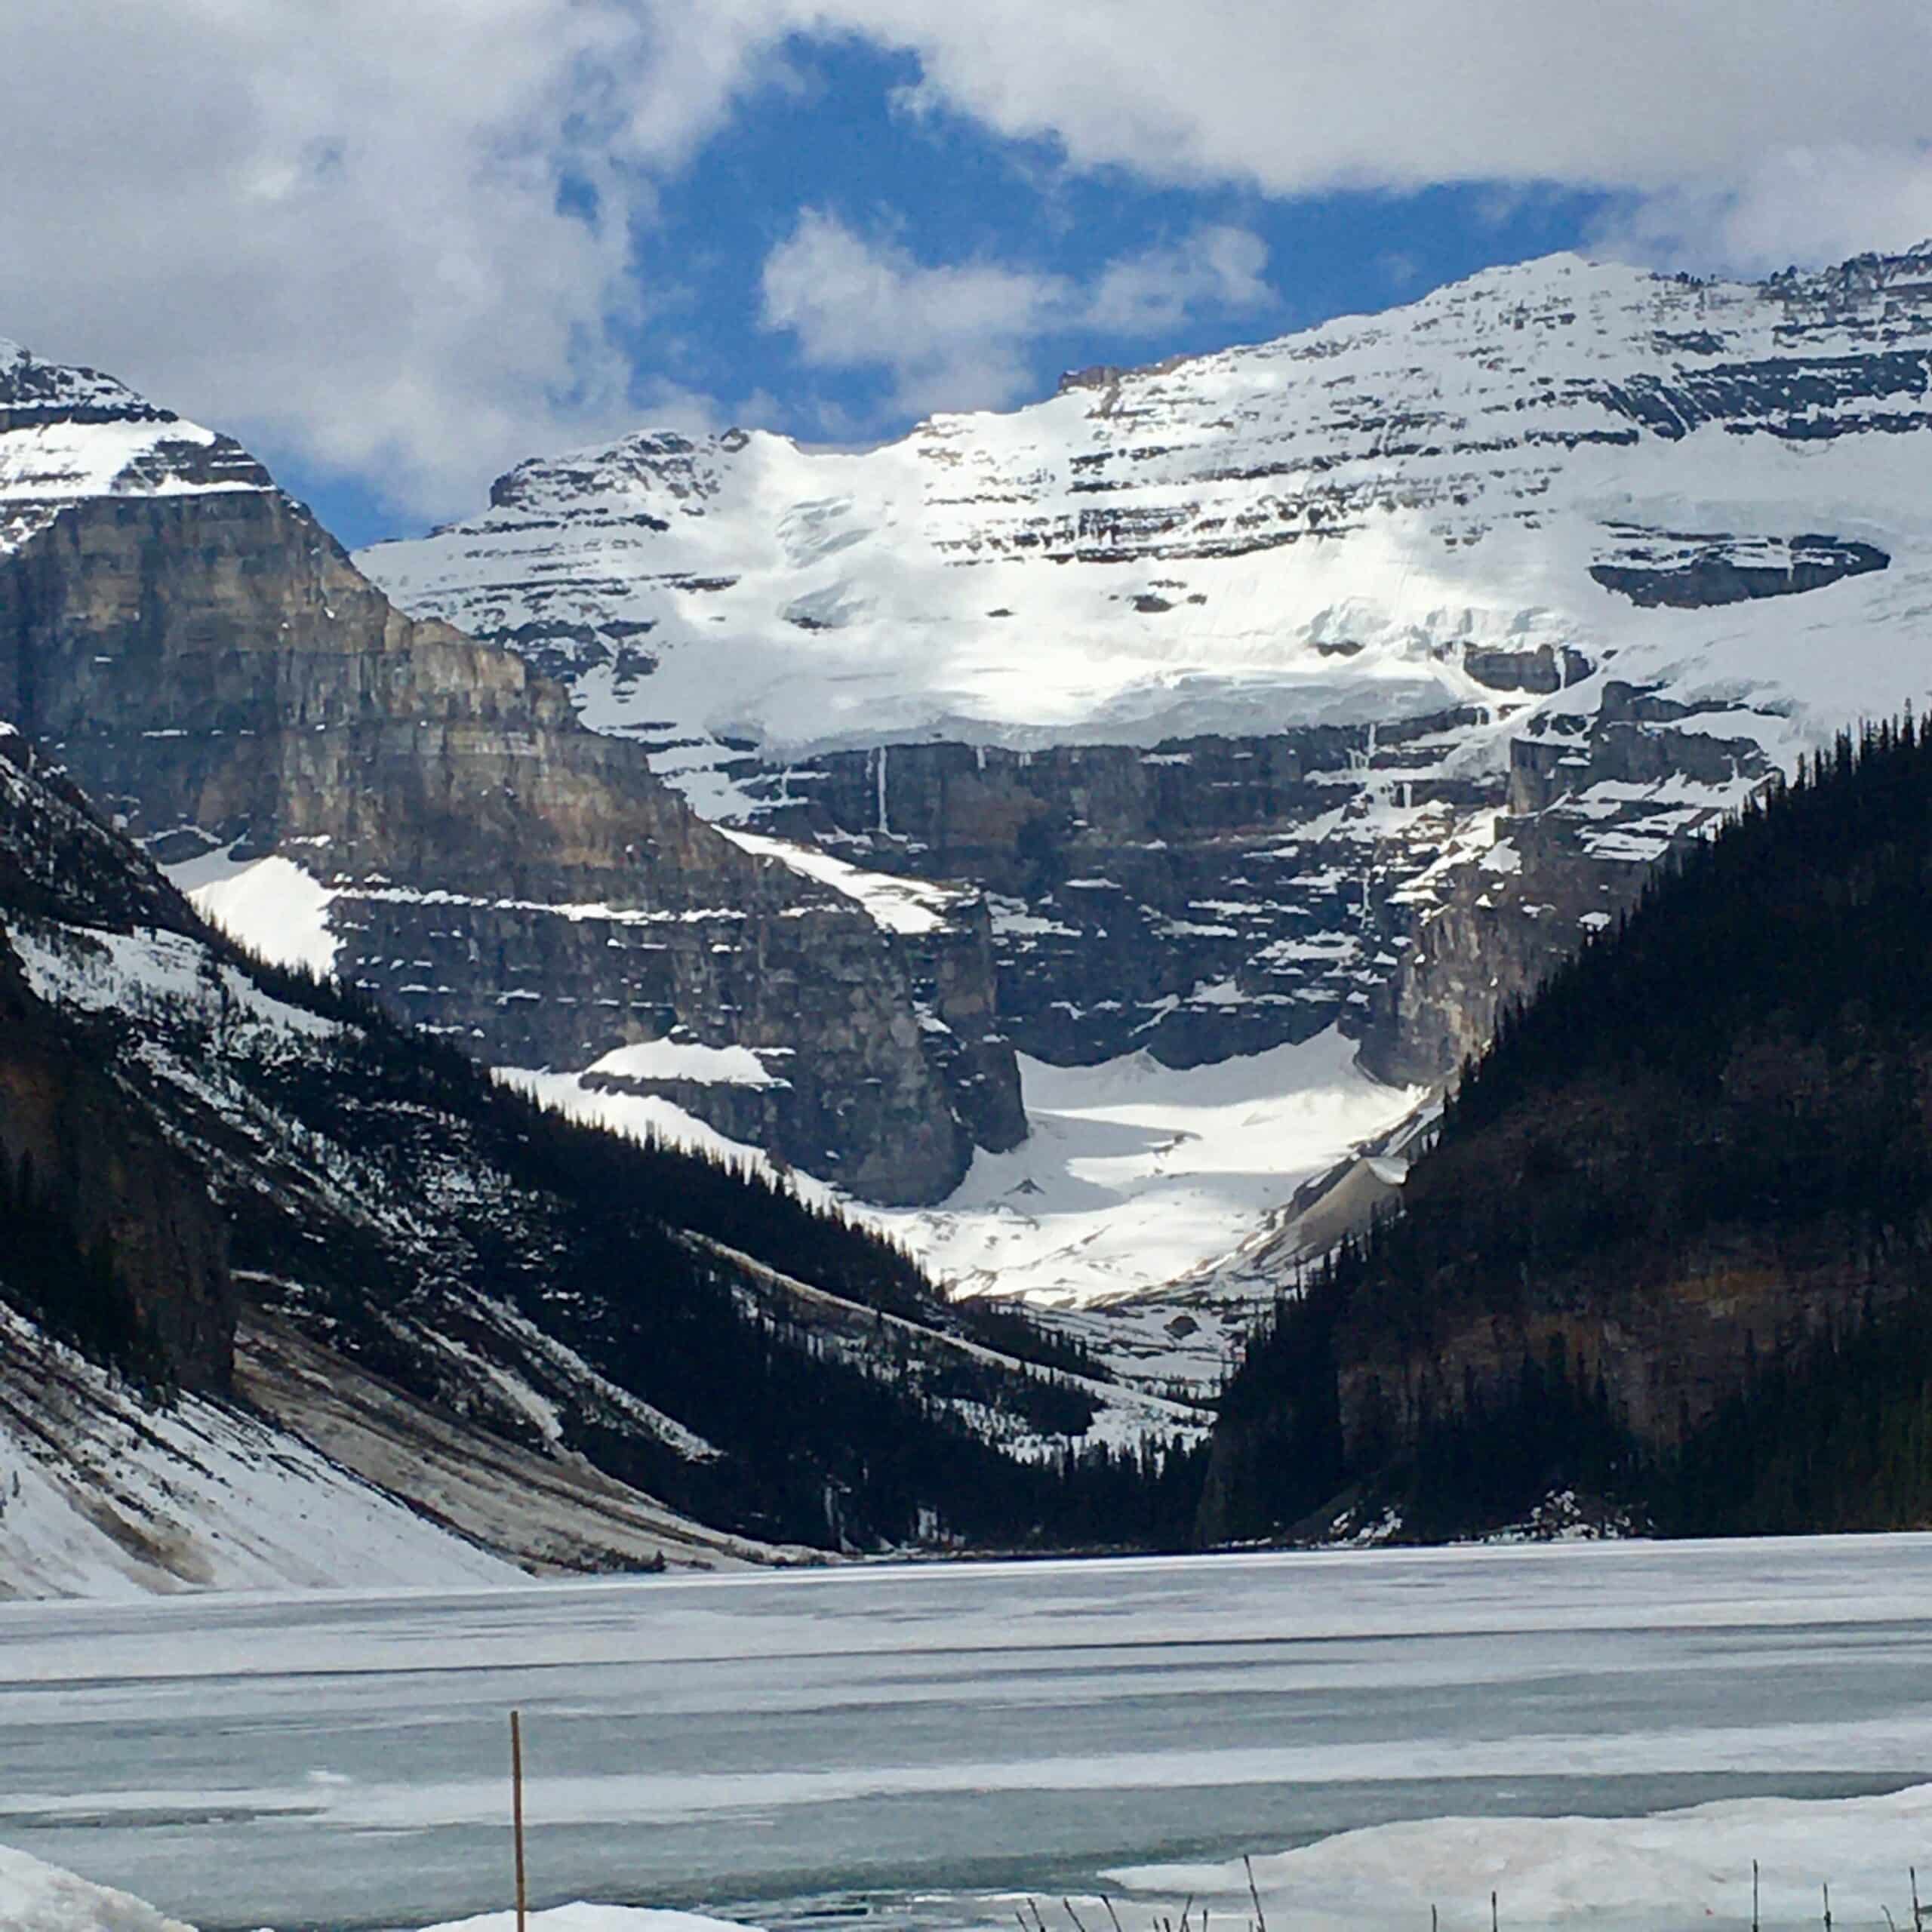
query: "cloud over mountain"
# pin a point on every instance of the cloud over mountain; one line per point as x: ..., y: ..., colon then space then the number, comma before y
x: 410, y: 245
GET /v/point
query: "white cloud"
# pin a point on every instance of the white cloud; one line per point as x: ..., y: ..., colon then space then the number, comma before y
x: 338, y: 227
x: 1296, y: 96
x: 1796, y: 204
x: 952, y: 335
x: 334, y: 224
x: 957, y: 335
x: 1220, y: 268
x: 1751, y: 132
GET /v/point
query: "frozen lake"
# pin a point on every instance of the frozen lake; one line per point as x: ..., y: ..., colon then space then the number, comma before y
x: 901, y: 1743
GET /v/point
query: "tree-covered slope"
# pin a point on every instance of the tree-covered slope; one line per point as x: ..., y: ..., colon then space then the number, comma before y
x: 1672, y: 1244
x: 201, y: 1138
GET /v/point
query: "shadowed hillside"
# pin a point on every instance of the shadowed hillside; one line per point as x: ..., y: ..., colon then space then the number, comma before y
x: 1670, y: 1247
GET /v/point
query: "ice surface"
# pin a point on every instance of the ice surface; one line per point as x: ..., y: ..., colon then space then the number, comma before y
x: 929, y: 1739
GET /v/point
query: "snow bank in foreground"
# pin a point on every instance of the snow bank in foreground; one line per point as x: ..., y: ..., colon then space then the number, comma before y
x: 1669, y: 1869
x: 35, y: 1897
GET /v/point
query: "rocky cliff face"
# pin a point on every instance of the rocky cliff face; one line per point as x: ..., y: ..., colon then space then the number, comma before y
x: 1670, y: 1240
x: 1351, y: 676
x: 209, y: 663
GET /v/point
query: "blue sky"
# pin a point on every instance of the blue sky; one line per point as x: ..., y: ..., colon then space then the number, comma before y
x: 834, y: 136
x: 397, y: 249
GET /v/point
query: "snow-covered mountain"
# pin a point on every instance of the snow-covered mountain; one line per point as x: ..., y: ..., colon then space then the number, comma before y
x: 1345, y: 680
x: 1380, y: 519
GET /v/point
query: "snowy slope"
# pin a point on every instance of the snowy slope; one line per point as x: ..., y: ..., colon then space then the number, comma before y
x: 1324, y: 527
x: 73, y: 433
x: 1129, y: 1214
x: 424, y: 1335
x: 1073, y: 1240
x: 102, y: 1495
x: 194, y: 647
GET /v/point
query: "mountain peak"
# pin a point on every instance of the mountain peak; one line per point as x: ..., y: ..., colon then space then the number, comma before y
x: 41, y: 391
x: 68, y: 434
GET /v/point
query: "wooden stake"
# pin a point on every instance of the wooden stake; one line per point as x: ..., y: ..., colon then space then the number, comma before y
x: 1754, y: 1896
x: 1828, y: 1908
x: 1492, y: 1912
x: 1261, y: 1923
x: 516, y: 1818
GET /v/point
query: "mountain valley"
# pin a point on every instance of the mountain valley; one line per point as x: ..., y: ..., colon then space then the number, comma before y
x: 1065, y: 854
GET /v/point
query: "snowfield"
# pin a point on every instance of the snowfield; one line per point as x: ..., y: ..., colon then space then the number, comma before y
x: 1135, y: 1176
x: 1457, y: 511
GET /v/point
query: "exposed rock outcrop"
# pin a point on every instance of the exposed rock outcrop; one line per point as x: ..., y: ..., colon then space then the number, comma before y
x: 216, y: 1138
x: 209, y: 663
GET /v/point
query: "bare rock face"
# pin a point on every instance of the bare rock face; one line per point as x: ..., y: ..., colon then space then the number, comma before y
x: 1204, y: 897
x: 212, y: 666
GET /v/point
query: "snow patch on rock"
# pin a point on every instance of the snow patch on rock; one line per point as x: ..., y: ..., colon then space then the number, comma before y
x: 271, y: 905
